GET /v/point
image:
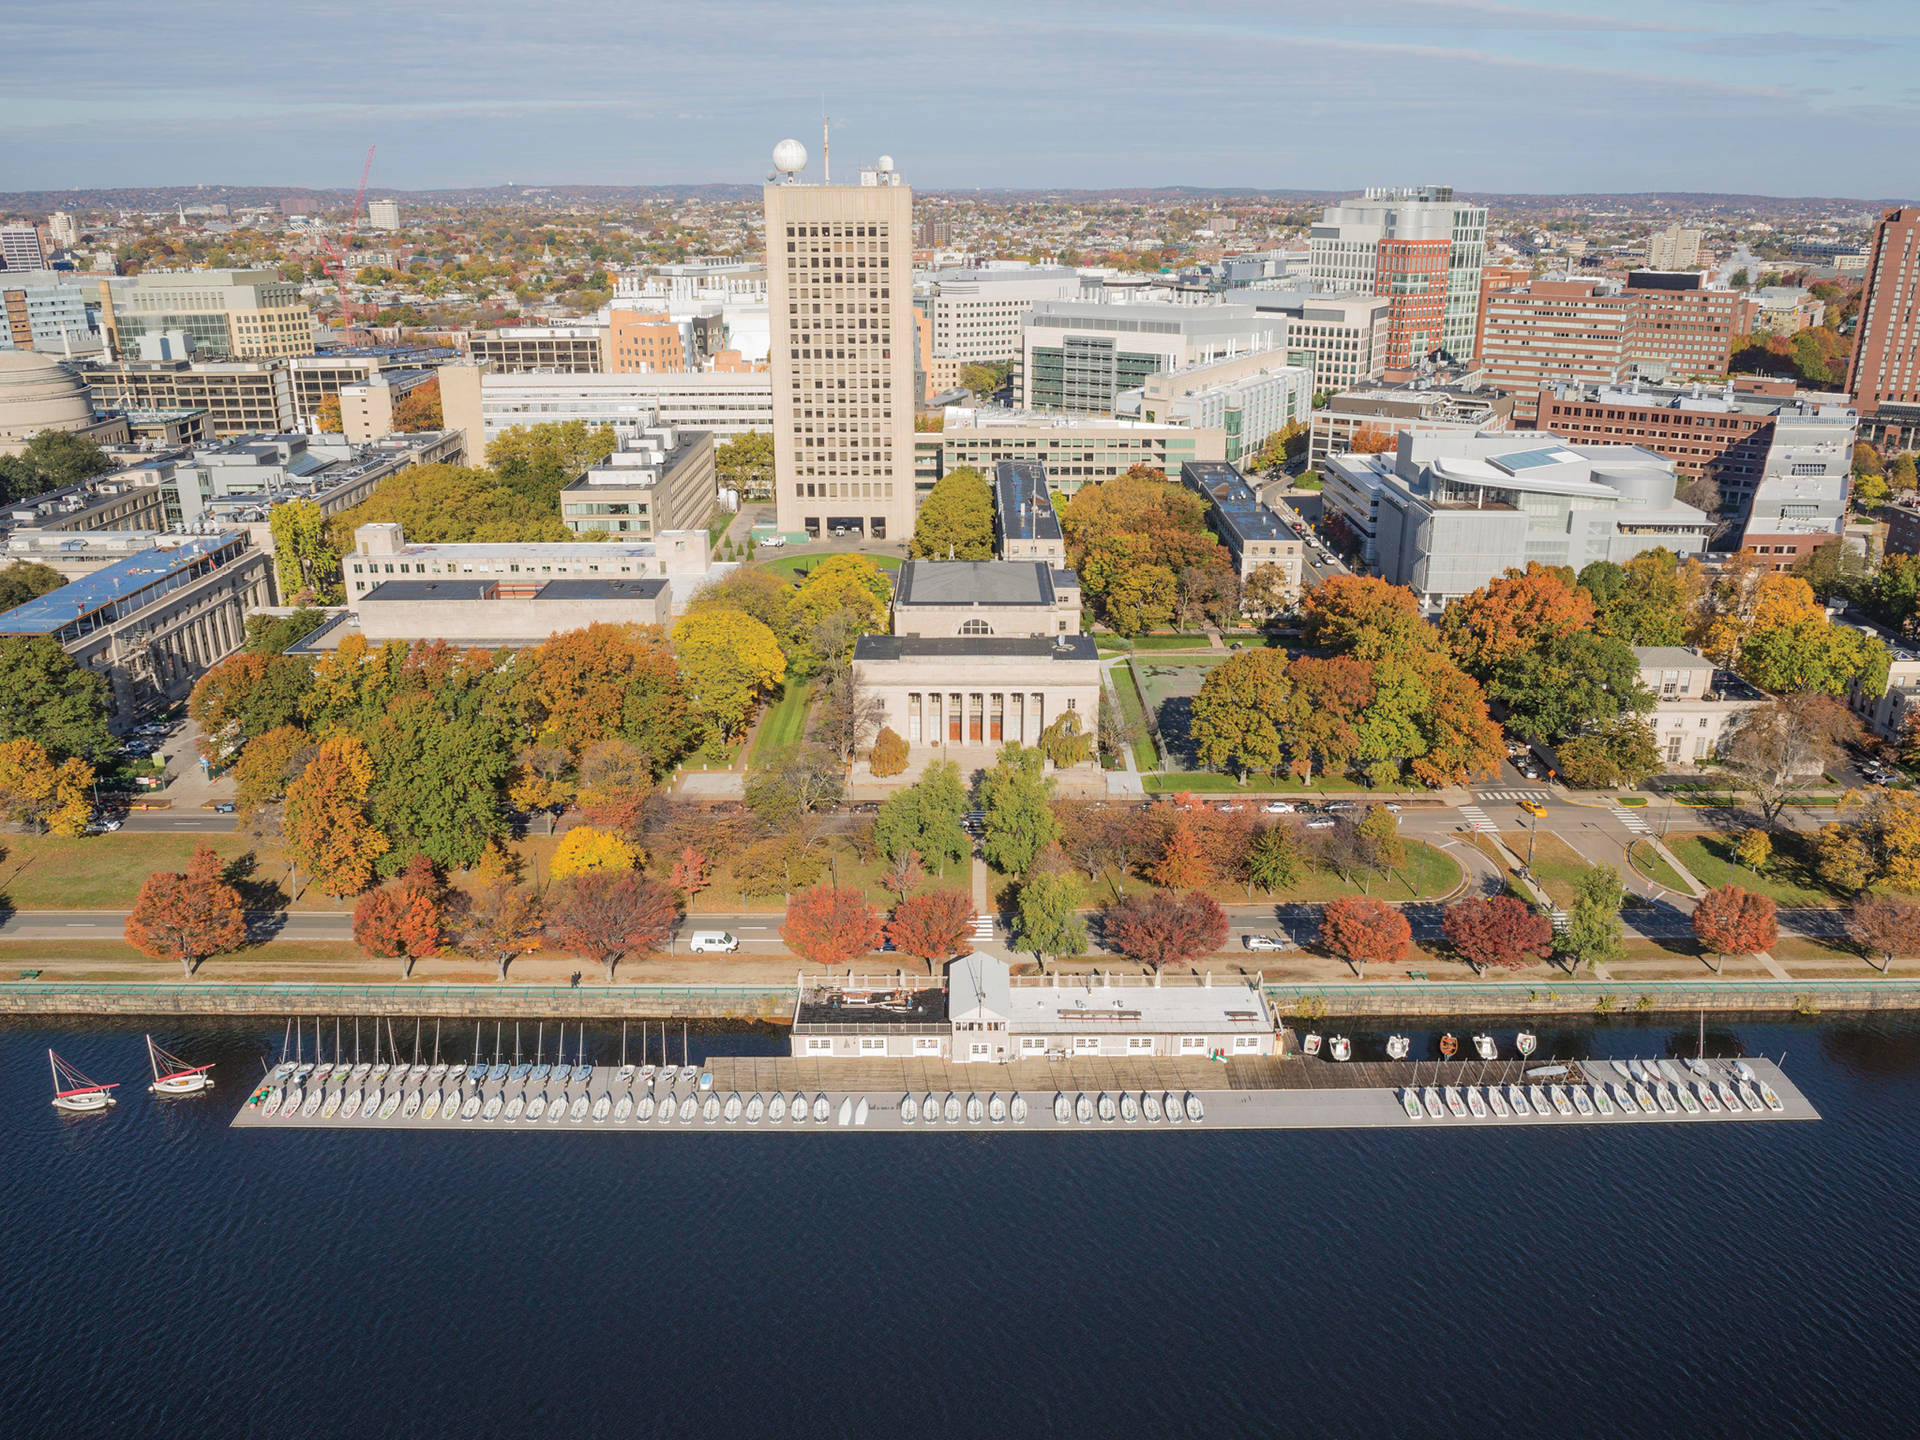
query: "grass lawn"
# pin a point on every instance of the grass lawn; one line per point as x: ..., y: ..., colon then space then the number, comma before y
x: 1171, y: 642
x: 1208, y: 782
x: 1789, y: 877
x: 1555, y: 865
x: 1428, y: 874
x: 1145, y: 757
x: 103, y: 872
x: 783, y: 725
x: 792, y: 566
x: 1652, y: 865
x: 723, y: 897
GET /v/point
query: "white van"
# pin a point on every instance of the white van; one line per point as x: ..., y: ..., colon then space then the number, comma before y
x: 707, y: 942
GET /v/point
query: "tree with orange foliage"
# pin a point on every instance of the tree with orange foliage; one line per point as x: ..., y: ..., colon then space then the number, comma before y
x: 1363, y: 932
x: 831, y: 924
x: 933, y: 926
x: 582, y: 687
x: 326, y: 817
x: 692, y: 873
x: 1165, y: 929
x: 1338, y: 609
x: 405, y: 919
x: 1512, y: 614
x: 1183, y: 863
x: 1503, y: 931
x: 419, y: 409
x: 188, y: 917
x: 1732, y: 921
x: 503, y: 922
x: 1372, y: 440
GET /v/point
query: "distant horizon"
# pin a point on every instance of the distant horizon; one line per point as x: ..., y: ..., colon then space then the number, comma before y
x: 1513, y: 97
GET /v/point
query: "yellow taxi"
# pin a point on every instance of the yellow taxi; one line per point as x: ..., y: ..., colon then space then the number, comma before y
x: 1533, y: 807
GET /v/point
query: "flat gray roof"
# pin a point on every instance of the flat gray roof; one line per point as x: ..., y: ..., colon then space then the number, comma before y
x: 1020, y: 496
x: 962, y: 647
x: 974, y: 582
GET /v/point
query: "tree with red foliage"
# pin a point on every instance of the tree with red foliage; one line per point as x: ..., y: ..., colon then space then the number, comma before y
x: 404, y: 920
x: 1883, y: 926
x: 830, y: 925
x: 1364, y: 932
x: 692, y: 873
x: 1165, y: 929
x: 1503, y: 931
x: 1731, y: 921
x: 933, y: 926
x: 608, y: 914
x: 187, y: 917
x: 903, y: 874
x: 503, y: 922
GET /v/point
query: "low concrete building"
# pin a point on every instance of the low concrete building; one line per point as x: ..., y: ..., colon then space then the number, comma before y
x: 153, y: 622
x: 985, y: 597
x: 126, y: 500
x: 1076, y: 449
x: 986, y: 1015
x: 548, y: 350
x: 381, y: 552
x: 511, y: 614
x: 1025, y: 522
x: 658, y: 480
x: 1394, y: 409
x: 1254, y: 533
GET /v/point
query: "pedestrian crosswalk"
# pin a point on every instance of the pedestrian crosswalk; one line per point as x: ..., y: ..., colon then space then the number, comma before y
x: 1541, y: 795
x: 983, y: 929
x: 1477, y: 819
x: 1633, y: 820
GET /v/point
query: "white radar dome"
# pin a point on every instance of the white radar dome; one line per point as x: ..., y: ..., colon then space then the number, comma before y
x: 789, y: 156
x: 886, y: 162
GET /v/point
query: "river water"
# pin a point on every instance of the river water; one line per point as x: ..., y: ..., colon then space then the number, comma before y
x: 162, y: 1274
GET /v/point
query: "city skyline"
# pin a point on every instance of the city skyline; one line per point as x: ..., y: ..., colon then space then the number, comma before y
x: 1692, y: 95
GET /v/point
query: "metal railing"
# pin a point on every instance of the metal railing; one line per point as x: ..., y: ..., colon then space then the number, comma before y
x: 1620, y: 996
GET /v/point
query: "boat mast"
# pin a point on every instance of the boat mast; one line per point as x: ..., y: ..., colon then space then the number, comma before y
x: 416, y: 1039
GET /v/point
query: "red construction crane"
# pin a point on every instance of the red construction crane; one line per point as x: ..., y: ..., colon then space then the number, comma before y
x: 339, y: 251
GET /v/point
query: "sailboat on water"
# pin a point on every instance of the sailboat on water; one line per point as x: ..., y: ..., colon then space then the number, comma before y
x: 173, y: 1076
x: 74, y: 1092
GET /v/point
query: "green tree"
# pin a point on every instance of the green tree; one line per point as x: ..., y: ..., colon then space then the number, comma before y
x: 440, y: 769
x: 248, y: 694
x: 1239, y: 717
x: 730, y: 660
x: 55, y: 458
x: 304, y: 559
x: 276, y: 634
x: 1814, y: 654
x: 452, y: 504
x: 1834, y: 569
x: 1895, y: 593
x: 45, y: 696
x: 745, y: 464
x: 1866, y: 460
x: 1641, y: 602
x: 986, y: 378
x: 956, y: 519
x: 537, y: 460
x: 26, y: 580
x: 842, y: 598
x: 1274, y: 861
x: 1620, y: 751
x: 1016, y: 805
x: 1594, y: 934
x: 926, y: 817
x: 1046, y: 918
x: 1569, y: 681
x: 1901, y: 475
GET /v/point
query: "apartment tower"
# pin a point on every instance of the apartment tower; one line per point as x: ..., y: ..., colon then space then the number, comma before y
x: 840, y: 297
x: 1422, y: 250
x: 1884, y: 376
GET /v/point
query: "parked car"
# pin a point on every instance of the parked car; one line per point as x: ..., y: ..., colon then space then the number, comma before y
x: 1277, y: 807
x: 1334, y: 807
x: 1324, y: 822
x: 1392, y: 807
x: 772, y: 542
x: 1230, y: 809
x: 712, y: 942
x: 225, y: 807
x: 1263, y: 942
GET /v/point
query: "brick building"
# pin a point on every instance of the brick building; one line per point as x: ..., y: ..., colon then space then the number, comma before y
x: 1884, y: 374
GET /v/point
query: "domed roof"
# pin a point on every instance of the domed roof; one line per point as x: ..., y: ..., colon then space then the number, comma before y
x: 38, y: 393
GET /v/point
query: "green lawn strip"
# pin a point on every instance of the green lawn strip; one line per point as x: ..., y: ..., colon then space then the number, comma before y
x: 1788, y: 877
x: 790, y: 566
x: 1427, y: 874
x: 1650, y: 864
x: 782, y: 727
x: 1171, y: 642
x: 1208, y: 782
x: 105, y: 872
x: 723, y: 896
x: 1555, y: 864
x: 1145, y: 758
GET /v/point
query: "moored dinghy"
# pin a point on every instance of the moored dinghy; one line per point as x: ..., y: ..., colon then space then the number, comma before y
x: 557, y: 1108
x: 1517, y: 1097
x: 1600, y: 1100
x: 950, y: 1111
x: 909, y: 1109
x: 1687, y: 1102
x: 1526, y: 1042
x: 1561, y: 1104
x: 173, y: 1076
x: 623, y: 1107
x: 536, y: 1106
x: 822, y: 1107
x: 643, y: 1107
x: 1729, y: 1101
x: 797, y: 1108
x: 371, y: 1105
x: 1623, y: 1100
x: 688, y: 1105
x: 930, y: 1107
x: 755, y: 1108
x: 1643, y: 1097
x: 1129, y: 1108
x: 350, y: 1107
x: 1581, y: 1102
x: 491, y: 1110
x: 1106, y: 1108
x: 470, y: 1109
x: 1411, y: 1103
x: 1062, y: 1108
x: 860, y: 1112
x: 412, y: 1106
x: 1497, y: 1102
x: 1397, y: 1047
x: 776, y: 1107
x: 976, y: 1112
x: 391, y: 1105
x: 733, y: 1109
x: 1455, y: 1105
x: 516, y: 1107
x: 430, y: 1107
x: 996, y: 1108
x: 1475, y: 1103
x: 1175, y: 1111
x: 1484, y: 1047
x: 710, y: 1108
x: 1150, y: 1104
x: 1083, y: 1108
x: 1196, y: 1112
x: 1340, y: 1048
x: 1430, y: 1098
x: 315, y: 1099
x: 602, y: 1108
x: 1665, y: 1097
x: 1017, y: 1107
x: 845, y: 1115
x: 1767, y: 1094
x: 75, y: 1094
x: 1310, y: 1045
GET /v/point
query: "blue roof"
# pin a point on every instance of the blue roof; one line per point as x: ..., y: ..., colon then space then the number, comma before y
x: 1520, y: 460
x: 1020, y: 495
x: 111, y: 583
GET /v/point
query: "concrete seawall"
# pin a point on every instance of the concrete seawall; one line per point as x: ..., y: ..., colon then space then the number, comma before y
x: 775, y: 1002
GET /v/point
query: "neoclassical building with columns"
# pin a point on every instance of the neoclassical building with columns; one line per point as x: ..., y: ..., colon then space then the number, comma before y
x: 983, y: 654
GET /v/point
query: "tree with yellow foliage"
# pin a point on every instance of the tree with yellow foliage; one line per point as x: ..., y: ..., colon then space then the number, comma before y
x: 584, y: 849
x: 326, y: 817
x: 35, y: 791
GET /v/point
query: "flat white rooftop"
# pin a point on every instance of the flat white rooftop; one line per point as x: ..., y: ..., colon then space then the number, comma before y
x: 1080, y: 1009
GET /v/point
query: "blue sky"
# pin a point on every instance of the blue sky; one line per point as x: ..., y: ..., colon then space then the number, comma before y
x: 1555, y: 95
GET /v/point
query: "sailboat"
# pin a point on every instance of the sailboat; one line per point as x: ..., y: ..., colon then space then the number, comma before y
x: 173, y: 1076
x: 74, y: 1092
